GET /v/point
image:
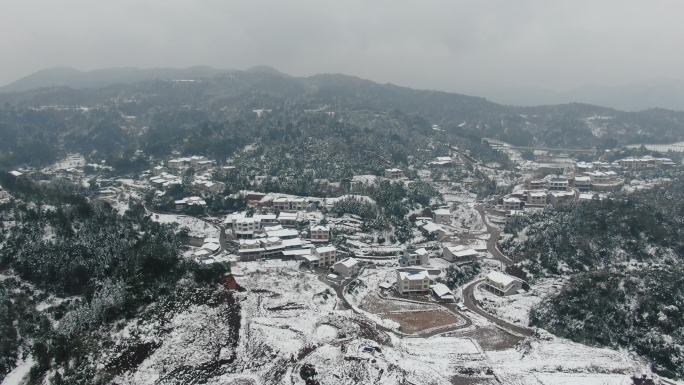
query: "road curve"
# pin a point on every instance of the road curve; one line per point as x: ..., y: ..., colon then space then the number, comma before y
x: 471, y: 303
x: 493, y: 237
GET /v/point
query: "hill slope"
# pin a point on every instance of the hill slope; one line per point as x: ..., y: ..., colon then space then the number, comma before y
x: 70, y: 77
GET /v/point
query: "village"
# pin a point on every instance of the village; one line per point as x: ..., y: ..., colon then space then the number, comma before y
x: 402, y: 288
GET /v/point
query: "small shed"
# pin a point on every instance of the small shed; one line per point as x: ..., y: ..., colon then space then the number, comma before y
x: 442, y: 292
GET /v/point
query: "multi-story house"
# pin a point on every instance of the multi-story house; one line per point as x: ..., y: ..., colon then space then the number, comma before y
x: 394, y: 173
x: 320, y: 234
x: 327, y: 256
x: 413, y: 282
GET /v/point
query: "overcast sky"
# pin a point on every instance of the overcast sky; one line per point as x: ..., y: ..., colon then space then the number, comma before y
x: 447, y: 44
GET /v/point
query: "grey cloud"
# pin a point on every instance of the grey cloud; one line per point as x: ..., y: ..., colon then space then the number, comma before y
x: 441, y: 44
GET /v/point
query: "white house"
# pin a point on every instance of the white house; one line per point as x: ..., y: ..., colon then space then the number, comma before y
x: 433, y: 228
x: 413, y: 281
x: 320, y: 233
x: 280, y: 232
x: 393, y: 173
x: 245, y: 227
x: 288, y: 219
x: 250, y: 249
x: 442, y: 216
x: 327, y: 256
x: 176, y: 163
x: 414, y: 257
x: 347, y: 267
x: 558, y: 184
x: 213, y: 187
x: 458, y: 253
x: 265, y: 220
x: 281, y: 204
x: 535, y: 184
x: 196, y: 159
x: 512, y: 203
x: 583, y: 183
x: 204, y: 164
x: 442, y: 292
x: 298, y: 204
x: 503, y: 284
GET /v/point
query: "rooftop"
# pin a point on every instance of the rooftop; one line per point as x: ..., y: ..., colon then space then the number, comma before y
x: 413, y: 276
x: 501, y: 278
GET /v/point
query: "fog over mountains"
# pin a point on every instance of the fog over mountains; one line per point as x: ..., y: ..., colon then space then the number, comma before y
x: 637, y: 96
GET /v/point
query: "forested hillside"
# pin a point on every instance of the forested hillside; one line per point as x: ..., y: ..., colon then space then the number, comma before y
x: 324, y: 114
x: 71, y: 269
x: 623, y: 258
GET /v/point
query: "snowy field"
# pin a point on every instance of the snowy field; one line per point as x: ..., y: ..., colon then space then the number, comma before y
x: 198, y: 228
x: 554, y: 361
x: 516, y: 308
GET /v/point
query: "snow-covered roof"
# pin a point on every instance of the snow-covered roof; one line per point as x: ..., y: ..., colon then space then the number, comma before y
x: 231, y: 217
x: 466, y: 253
x: 325, y: 249
x: 320, y: 228
x: 201, y: 253
x: 413, y: 276
x: 273, y: 228
x: 296, y: 252
x: 262, y: 217
x: 287, y: 216
x: 431, y: 227
x: 348, y: 262
x: 511, y: 200
x: 282, y: 233
x: 454, y: 249
x: 587, y: 196
x: 292, y: 242
x: 442, y: 212
x: 537, y: 194
x: 441, y: 290
x: 582, y: 179
x: 501, y: 278
x: 393, y: 169
x: 211, y: 246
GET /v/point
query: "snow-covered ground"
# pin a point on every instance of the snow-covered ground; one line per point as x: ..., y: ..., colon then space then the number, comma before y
x: 16, y: 376
x: 551, y: 360
x: 516, y: 308
x: 198, y: 228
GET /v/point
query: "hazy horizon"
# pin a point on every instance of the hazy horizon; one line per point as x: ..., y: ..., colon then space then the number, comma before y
x: 440, y: 45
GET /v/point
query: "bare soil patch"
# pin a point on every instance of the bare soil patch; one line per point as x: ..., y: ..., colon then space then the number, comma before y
x: 378, y: 305
x: 418, y: 321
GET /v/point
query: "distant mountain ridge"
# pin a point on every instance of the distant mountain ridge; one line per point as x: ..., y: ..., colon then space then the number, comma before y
x: 637, y: 96
x: 73, y: 78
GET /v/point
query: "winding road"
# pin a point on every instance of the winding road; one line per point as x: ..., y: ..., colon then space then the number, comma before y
x: 468, y: 292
